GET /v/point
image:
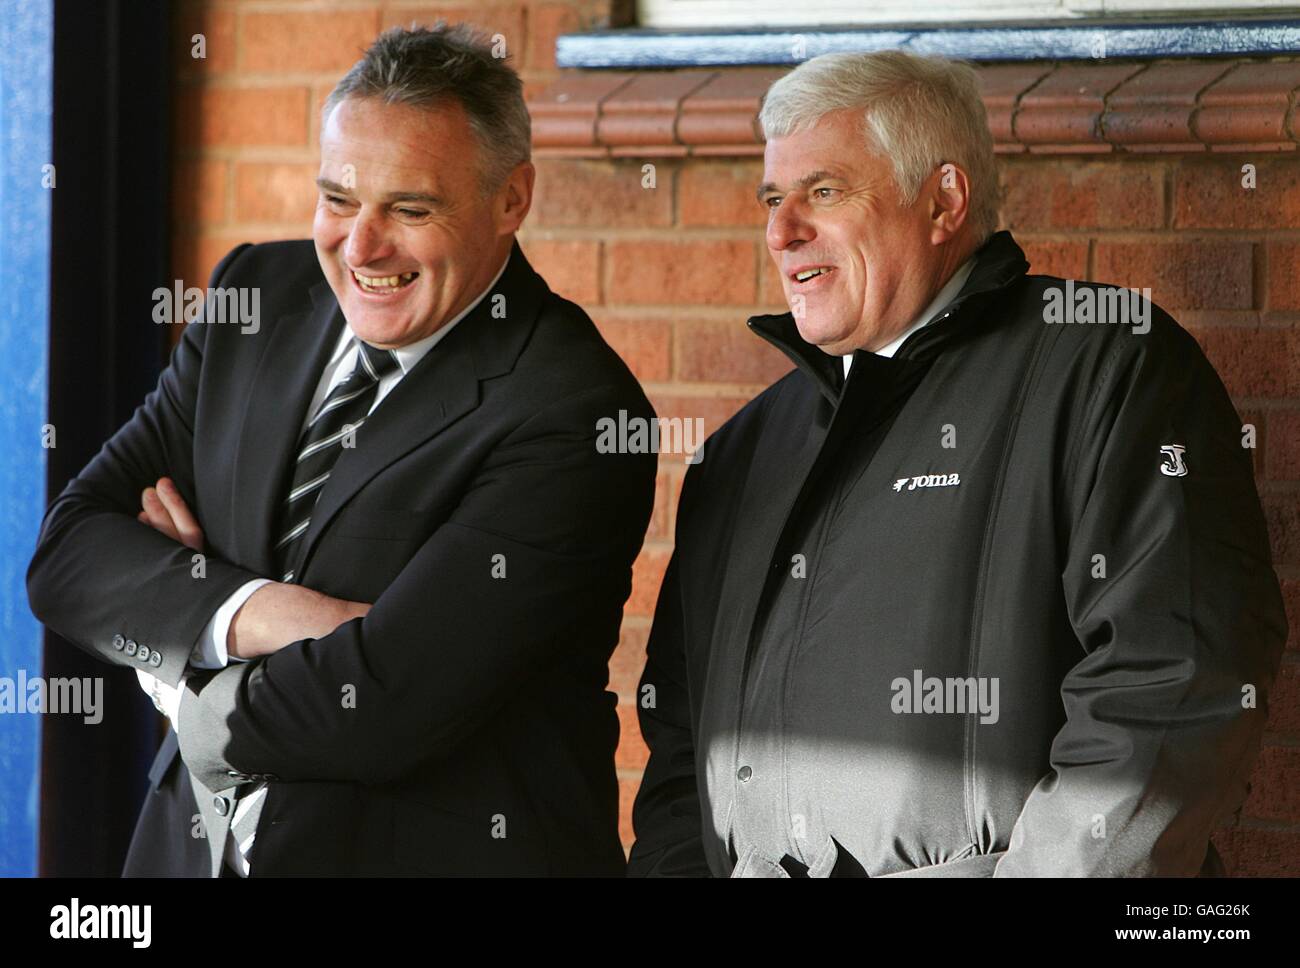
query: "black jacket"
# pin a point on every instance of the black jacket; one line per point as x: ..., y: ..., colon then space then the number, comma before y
x: 480, y: 738
x: 993, y: 507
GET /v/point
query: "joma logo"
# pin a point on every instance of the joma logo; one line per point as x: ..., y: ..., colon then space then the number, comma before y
x: 927, y: 480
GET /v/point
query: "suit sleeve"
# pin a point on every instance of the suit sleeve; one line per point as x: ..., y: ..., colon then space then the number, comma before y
x: 541, y: 544
x: 666, y: 815
x: 97, y: 572
x: 1179, y: 620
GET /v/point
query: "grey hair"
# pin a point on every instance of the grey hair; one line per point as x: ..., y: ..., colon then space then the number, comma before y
x: 430, y: 66
x: 918, y: 111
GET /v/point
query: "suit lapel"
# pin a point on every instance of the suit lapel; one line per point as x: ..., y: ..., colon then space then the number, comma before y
x: 441, y: 388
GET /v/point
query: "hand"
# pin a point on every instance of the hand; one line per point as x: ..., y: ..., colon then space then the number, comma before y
x: 280, y: 614
x: 165, y: 510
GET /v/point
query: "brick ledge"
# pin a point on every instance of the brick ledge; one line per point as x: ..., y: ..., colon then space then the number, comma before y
x: 1233, y: 104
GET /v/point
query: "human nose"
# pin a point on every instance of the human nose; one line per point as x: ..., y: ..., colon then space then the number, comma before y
x: 787, y: 225
x: 367, y: 241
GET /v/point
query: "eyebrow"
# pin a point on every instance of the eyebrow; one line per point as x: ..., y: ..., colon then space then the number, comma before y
x: 332, y: 186
x: 810, y: 179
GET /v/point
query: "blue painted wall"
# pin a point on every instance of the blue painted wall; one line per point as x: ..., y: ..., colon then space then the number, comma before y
x: 26, y: 72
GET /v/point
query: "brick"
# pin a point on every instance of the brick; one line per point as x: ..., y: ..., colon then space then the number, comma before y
x: 628, y: 661
x: 725, y: 110
x: 1259, y: 455
x: 546, y: 21
x: 571, y: 267
x: 644, y: 111
x: 505, y: 19
x: 243, y: 116
x: 726, y: 352
x: 217, y: 25
x: 1291, y: 601
x: 661, y: 523
x: 1284, y: 702
x: 712, y: 272
x: 771, y: 295
x: 199, y: 191
x: 1283, y: 519
x: 1106, y: 195
x: 647, y: 574
x: 644, y: 343
x: 309, y: 41
x: 1275, y: 785
x: 1253, y: 362
x: 194, y: 256
x: 631, y: 753
x: 1067, y: 260
x: 1001, y: 87
x: 564, y: 113
x: 1282, y: 289
x: 627, y: 788
x: 1153, y: 109
x: 602, y: 194
x: 720, y: 194
x: 1208, y: 193
x: 1249, y: 105
x: 714, y: 411
x: 1191, y: 274
x: 1282, y: 456
x: 1249, y: 852
x: 275, y: 193
x: 1064, y: 109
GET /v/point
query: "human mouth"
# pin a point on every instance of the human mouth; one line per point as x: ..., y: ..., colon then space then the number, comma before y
x: 809, y: 274
x: 383, y: 285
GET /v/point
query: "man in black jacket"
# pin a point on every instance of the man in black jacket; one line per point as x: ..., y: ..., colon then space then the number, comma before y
x: 983, y: 586
x: 387, y: 499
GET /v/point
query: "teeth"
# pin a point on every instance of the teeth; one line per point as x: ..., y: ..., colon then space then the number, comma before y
x: 384, y: 282
x: 809, y: 273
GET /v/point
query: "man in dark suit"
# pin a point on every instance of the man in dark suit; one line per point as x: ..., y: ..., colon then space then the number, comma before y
x: 383, y: 566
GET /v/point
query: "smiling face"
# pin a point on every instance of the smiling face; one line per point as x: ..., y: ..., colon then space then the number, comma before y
x: 856, y: 265
x: 403, y: 231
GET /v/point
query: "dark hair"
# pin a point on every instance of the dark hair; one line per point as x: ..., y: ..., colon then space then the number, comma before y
x: 424, y: 66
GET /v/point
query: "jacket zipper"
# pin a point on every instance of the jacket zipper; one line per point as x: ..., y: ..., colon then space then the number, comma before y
x: 977, y: 607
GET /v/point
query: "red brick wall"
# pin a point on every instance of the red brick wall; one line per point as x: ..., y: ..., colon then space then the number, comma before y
x: 669, y: 273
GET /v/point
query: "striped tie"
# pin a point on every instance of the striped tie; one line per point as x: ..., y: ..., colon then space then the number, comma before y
x: 333, y: 426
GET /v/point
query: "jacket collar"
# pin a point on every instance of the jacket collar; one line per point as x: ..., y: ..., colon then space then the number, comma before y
x: 998, y: 263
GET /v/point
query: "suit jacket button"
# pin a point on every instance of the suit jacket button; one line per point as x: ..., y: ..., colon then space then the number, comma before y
x: 221, y: 805
x: 130, y: 647
x: 119, y: 640
x: 155, y: 658
x: 143, y: 654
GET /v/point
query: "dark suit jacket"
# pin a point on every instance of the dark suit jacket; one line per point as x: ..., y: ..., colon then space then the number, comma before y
x: 463, y: 725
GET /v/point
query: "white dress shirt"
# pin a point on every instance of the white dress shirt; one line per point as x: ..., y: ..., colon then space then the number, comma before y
x: 945, y: 295
x: 210, y: 648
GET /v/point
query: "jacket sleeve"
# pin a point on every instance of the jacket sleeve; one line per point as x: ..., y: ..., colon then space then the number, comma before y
x: 1178, y: 615
x: 452, y: 638
x: 666, y: 815
x: 98, y: 576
